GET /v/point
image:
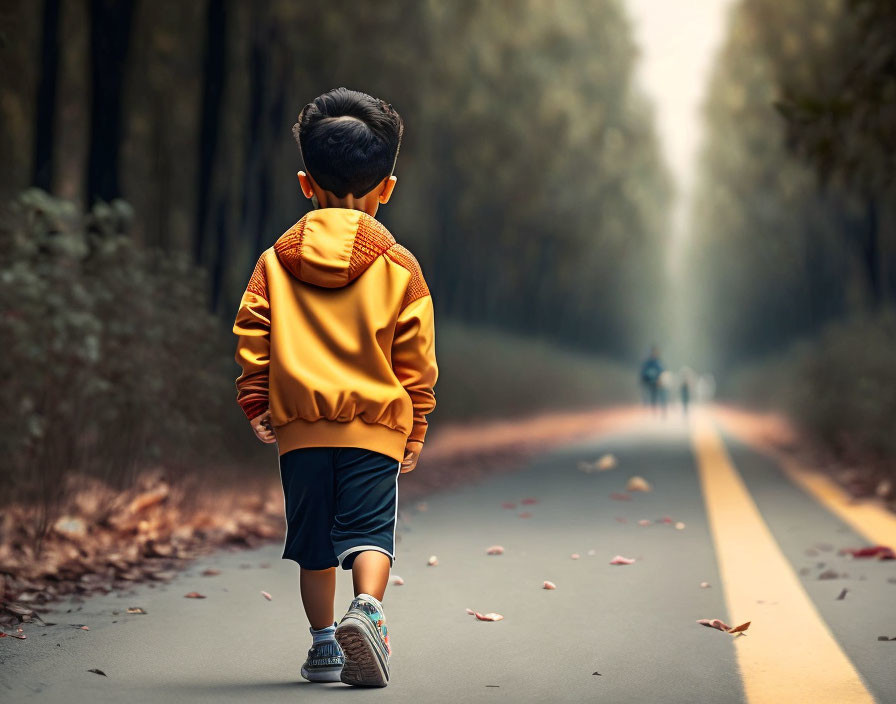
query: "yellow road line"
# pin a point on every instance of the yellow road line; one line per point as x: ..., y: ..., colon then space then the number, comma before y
x: 788, y: 655
x: 868, y: 517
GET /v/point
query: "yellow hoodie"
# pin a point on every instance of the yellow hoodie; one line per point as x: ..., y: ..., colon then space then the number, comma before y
x: 335, y: 336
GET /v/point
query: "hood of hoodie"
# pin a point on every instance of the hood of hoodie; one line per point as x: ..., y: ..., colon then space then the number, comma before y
x: 331, y: 247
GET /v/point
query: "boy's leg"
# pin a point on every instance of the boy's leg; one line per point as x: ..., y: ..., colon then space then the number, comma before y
x: 318, y: 592
x: 364, y: 542
x: 370, y: 573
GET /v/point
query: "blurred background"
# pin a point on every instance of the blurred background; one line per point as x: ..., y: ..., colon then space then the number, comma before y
x: 580, y: 179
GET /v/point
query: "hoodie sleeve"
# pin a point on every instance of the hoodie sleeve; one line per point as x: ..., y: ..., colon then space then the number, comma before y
x: 413, y: 347
x: 253, y: 330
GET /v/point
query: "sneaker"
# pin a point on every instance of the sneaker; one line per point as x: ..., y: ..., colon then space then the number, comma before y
x: 324, y: 663
x: 365, y: 642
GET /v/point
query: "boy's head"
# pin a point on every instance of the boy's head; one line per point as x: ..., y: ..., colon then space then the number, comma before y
x: 349, y: 143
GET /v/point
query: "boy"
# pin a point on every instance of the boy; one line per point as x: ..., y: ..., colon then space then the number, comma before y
x: 336, y: 344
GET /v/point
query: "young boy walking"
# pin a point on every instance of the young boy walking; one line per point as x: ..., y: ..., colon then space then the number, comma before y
x: 335, y: 340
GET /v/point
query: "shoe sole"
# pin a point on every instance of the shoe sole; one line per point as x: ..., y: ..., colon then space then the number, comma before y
x: 364, y: 664
x: 322, y: 675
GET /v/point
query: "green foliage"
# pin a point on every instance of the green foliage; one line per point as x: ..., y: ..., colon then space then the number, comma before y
x: 111, y: 361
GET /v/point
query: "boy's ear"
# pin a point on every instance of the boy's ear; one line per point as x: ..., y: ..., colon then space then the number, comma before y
x: 305, y: 184
x: 388, y: 188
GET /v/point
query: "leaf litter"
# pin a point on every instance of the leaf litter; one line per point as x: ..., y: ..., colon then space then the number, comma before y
x: 491, y: 616
x: 495, y: 550
x: 97, y: 671
x: 194, y: 595
x: 620, y: 560
x: 720, y: 625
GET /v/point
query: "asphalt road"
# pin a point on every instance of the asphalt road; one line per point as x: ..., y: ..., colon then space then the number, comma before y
x: 634, y: 624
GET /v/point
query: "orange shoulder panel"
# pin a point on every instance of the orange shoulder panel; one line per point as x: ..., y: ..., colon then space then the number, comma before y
x: 417, y: 287
x: 258, y: 282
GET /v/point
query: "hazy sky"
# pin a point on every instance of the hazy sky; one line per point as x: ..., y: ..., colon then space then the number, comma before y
x: 678, y: 41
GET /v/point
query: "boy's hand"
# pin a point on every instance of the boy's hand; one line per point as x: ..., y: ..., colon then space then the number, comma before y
x: 262, y: 427
x: 411, y: 454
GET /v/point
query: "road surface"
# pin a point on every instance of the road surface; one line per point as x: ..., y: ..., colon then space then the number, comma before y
x: 760, y: 536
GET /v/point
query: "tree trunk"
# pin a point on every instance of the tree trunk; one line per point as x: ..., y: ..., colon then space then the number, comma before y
x: 213, y: 71
x: 42, y: 175
x: 110, y: 31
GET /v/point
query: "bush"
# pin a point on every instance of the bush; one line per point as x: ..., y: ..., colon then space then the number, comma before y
x: 839, y: 387
x: 112, y: 362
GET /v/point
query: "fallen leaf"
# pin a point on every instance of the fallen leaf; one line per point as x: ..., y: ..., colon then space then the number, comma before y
x: 644, y: 522
x: 886, y: 638
x: 495, y: 550
x: 881, y: 552
x: 98, y: 672
x: 575, y: 556
x: 432, y: 561
x: 194, y: 595
x: 596, y: 673
x: 211, y: 572
x: 637, y: 484
x: 714, y: 623
x: 842, y: 594
x: 396, y: 580
x: 704, y: 585
x: 679, y: 526
x: 525, y: 514
x: 665, y: 519
x: 267, y: 596
x: 606, y: 462
x: 528, y: 502
x: 135, y: 610
x: 489, y: 616
x: 616, y: 496
x: 83, y: 628
x: 71, y: 527
x: 20, y: 636
x: 740, y: 629
x: 620, y: 560
x: 829, y: 574
x: 471, y: 612
x: 508, y: 504
x: 549, y: 585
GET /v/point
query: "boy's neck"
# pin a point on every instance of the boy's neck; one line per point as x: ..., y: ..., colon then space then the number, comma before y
x: 366, y: 203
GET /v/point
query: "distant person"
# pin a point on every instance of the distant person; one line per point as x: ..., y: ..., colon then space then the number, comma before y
x: 651, y: 370
x: 335, y: 339
x: 687, y: 382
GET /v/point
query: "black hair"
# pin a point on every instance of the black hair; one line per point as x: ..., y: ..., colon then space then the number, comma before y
x: 349, y: 141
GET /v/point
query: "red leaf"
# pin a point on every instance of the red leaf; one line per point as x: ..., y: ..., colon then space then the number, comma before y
x: 267, y: 596
x: 620, y: 560
x: 194, y: 595
x: 714, y: 623
x: 881, y: 552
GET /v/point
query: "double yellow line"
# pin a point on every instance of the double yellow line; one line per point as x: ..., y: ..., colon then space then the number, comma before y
x: 789, y: 655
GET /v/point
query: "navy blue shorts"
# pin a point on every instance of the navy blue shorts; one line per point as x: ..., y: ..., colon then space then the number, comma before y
x: 339, y: 502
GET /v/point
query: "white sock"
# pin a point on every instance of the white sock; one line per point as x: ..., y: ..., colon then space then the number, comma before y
x: 324, y: 634
x: 368, y: 597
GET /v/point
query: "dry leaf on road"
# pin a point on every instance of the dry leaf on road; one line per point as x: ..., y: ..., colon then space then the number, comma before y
x: 489, y: 616
x: 549, y: 585
x: 135, y: 610
x: 714, y: 623
x: 267, y: 596
x: 495, y: 550
x: 432, y: 561
x: 620, y: 560
x: 637, y: 484
x: 194, y: 595
x: 211, y: 572
x: 396, y: 580
x: 97, y: 671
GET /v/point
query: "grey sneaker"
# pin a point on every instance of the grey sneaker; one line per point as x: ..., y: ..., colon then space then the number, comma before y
x: 364, y: 639
x: 324, y: 663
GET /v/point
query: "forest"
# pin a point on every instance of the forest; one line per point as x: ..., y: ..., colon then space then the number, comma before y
x: 149, y: 159
x: 792, y: 260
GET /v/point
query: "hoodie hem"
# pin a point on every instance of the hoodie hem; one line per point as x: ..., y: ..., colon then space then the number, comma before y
x: 300, y: 433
